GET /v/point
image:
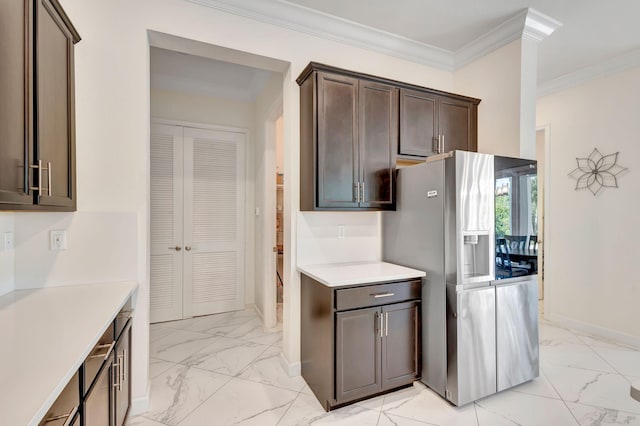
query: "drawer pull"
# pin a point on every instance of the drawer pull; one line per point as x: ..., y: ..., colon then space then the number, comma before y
x: 379, y: 295
x: 106, y: 354
x: 69, y: 417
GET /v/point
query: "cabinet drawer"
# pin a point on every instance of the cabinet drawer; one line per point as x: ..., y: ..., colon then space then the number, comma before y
x: 100, y: 353
x: 66, y: 406
x: 378, y: 294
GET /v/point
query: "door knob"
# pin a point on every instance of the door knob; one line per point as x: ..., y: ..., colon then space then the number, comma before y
x: 187, y: 248
x: 176, y: 248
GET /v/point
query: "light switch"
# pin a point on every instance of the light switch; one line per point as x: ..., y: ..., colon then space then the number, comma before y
x: 58, y: 240
x: 340, y: 232
x: 8, y: 241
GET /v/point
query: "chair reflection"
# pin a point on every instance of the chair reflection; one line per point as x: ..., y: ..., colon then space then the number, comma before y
x: 505, y: 267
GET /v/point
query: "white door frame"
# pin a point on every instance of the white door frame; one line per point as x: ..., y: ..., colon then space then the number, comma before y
x: 247, y: 219
x: 270, y: 316
x: 545, y: 243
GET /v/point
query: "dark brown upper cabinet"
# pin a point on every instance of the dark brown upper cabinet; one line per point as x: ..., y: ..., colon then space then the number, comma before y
x: 433, y: 122
x: 37, y: 112
x: 354, y: 126
x: 349, y: 134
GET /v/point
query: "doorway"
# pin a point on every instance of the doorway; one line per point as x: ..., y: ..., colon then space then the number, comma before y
x: 197, y: 213
x: 280, y: 182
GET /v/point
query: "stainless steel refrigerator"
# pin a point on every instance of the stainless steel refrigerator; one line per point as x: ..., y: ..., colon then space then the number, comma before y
x: 480, y: 334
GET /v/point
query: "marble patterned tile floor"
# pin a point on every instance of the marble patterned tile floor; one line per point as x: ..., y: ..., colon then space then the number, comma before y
x: 225, y: 370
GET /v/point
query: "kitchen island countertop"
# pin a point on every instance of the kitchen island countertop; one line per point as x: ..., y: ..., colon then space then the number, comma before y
x: 353, y: 273
x: 45, y: 336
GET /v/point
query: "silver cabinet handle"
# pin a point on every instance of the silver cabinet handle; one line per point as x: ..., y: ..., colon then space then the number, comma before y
x: 386, y: 323
x: 107, y: 353
x: 357, y: 184
x: 187, y: 248
x: 69, y: 417
x: 39, y: 188
x: 362, y: 183
x: 49, y: 179
x: 379, y: 295
x: 124, y: 365
x: 441, y: 144
x: 435, y: 144
x: 116, y: 374
x: 176, y: 248
x: 380, y: 320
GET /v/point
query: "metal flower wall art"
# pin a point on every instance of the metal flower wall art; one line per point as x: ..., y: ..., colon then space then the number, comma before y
x: 597, y: 171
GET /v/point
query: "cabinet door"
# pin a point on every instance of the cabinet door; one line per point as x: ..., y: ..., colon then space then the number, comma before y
x: 337, y: 144
x: 358, y: 354
x: 418, y: 123
x: 15, y: 101
x: 457, y: 125
x: 378, y: 133
x: 400, y: 344
x: 122, y: 391
x: 54, y: 105
x: 97, y: 407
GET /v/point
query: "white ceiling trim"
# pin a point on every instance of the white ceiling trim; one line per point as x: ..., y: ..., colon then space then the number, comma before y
x: 329, y: 27
x: 527, y: 23
x: 618, y: 64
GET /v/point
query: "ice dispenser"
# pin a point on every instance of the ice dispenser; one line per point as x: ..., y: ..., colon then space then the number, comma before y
x: 476, y: 256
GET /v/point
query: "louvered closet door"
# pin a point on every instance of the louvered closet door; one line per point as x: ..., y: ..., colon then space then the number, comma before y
x: 166, y: 222
x: 213, y: 221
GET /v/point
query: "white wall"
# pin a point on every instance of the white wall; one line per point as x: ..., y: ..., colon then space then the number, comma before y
x: 189, y: 107
x: 7, y: 257
x: 174, y: 105
x: 99, y: 249
x: 268, y: 103
x: 495, y: 79
x: 318, y: 241
x: 113, y: 115
x: 592, y: 242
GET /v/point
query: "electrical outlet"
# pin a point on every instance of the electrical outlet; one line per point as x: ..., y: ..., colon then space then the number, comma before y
x: 58, y: 240
x: 340, y: 232
x: 8, y: 241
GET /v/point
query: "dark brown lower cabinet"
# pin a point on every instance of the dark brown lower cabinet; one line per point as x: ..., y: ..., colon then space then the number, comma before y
x: 357, y: 354
x: 359, y: 341
x: 122, y: 384
x: 106, y: 383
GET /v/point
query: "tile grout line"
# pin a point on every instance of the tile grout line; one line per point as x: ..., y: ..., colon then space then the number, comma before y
x: 601, y: 357
x: 207, y: 399
x: 561, y: 398
x: 289, y: 407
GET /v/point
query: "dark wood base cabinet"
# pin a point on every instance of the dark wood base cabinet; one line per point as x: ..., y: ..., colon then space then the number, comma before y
x: 359, y: 341
x: 99, y: 394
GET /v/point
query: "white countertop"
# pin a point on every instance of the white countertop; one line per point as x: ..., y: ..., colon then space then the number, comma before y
x: 342, y: 274
x: 45, y: 335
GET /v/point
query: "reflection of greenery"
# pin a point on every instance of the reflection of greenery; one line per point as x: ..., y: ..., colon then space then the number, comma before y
x: 534, y: 204
x: 503, y: 215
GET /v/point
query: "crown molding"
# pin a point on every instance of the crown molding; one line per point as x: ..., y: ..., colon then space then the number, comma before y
x: 538, y: 26
x: 528, y: 23
x: 510, y: 30
x: 604, y: 69
x: 309, y: 21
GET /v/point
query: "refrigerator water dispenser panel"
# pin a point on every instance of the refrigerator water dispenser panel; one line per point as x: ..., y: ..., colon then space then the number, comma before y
x: 476, y: 259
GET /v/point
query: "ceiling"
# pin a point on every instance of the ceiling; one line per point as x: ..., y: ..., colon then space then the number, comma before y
x: 593, y: 31
x: 198, y: 75
x: 595, y: 37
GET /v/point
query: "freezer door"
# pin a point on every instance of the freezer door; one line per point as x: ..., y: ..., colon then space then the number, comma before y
x: 517, y: 333
x: 471, y: 348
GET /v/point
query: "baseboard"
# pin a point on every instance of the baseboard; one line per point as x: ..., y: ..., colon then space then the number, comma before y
x: 293, y: 369
x: 596, y: 330
x: 140, y: 405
